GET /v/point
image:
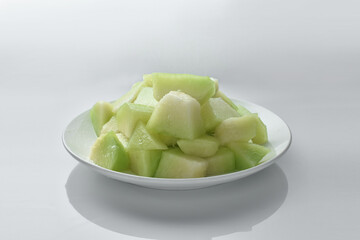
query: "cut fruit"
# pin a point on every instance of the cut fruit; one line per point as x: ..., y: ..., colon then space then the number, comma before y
x: 129, y: 114
x: 177, y: 114
x: 221, y: 163
x: 168, y: 140
x: 199, y: 87
x: 148, y: 80
x: 222, y: 95
x: 214, y: 111
x: 247, y: 155
x: 110, y: 126
x: 242, y: 110
x: 142, y: 139
x: 216, y: 81
x: 236, y: 129
x: 146, y: 97
x: 100, y: 113
x: 110, y: 153
x: 261, y: 132
x: 130, y: 96
x: 204, y: 146
x: 176, y: 164
x: 144, y: 162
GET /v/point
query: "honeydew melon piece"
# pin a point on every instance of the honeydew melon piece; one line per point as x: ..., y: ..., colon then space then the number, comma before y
x: 204, y: 146
x: 144, y: 162
x: 242, y: 110
x: 129, y: 114
x: 100, y: 113
x: 176, y: 164
x: 220, y: 94
x: 148, y: 80
x: 110, y: 126
x: 221, y: 163
x: 130, y: 96
x: 261, y: 132
x: 146, y: 97
x: 216, y: 81
x: 214, y: 111
x: 247, y: 155
x: 108, y: 152
x: 236, y: 129
x: 199, y: 87
x: 177, y: 114
x: 142, y: 139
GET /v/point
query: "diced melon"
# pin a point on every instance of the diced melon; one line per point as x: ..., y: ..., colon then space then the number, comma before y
x: 214, y: 111
x: 110, y: 126
x: 261, y: 132
x: 199, y: 87
x: 142, y: 139
x: 220, y: 94
x: 242, y: 110
x: 110, y: 153
x: 129, y: 114
x: 236, y: 129
x: 148, y: 80
x: 144, y: 162
x: 146, y: 97
x: 130, y: 96
x: 216, y: 81
x: 176, y: 164
x: 247, y: 155
x: 100, y: 114
x: 177, y: 114
x: 221, y: 163
x: 204, y: 146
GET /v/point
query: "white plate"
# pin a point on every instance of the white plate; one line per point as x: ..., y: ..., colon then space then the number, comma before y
x: 79, y: 136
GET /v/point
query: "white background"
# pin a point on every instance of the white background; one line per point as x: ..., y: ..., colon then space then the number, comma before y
x: 300, y: 59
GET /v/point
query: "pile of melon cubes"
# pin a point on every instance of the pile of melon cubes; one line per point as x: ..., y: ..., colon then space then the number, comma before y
x: 176, y: 126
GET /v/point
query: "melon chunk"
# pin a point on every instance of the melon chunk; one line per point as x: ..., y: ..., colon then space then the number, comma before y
x: 177, y: 114
x: 242, y: 110
x: 109, y: 152
x: 129, y: 114
x: 144, y: 162
x: 204, y: 146
x: 247, y: 155
x: 142, y: 139
x: 214, y: 111
x: 220, y: 94
x: 221, y: 163
x: 130, y: 96
x: 100, y: 113
x: 236, y: 129
x: 176, y: 164
x: 261, y: 132
x: 199, y: 87
x: 146, y: 97
x: 110, y: 126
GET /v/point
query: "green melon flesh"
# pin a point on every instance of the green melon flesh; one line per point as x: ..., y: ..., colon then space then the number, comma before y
x: 148, y: 80
x: 177, y: 114
x: 236, y: 129
x: 110, y: 126
x: 242, y: 110
x: 220, y: 94
x: 144, y: 162
x: 221, y: 163
x: 261, y: 132
x: 142, y: 139
x: 204, y: 146
x: 100, y: 114
x: 176, y: 164
x: 146, y: 97
x: 214, y: 111
x: 167, y: 140
x: 130, y: 96
x: 199, y: 87
x: 247, y: 155
x: 129, y: 114
x: 108, y: 152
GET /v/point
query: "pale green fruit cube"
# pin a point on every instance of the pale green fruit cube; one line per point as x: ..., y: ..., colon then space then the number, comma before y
x: 100, y: 114
x: 130, y: 96
x: 236, y: 129
x: 204, y: 146
x: 214, y: 111
x: 221, y: 163
x: 146, y: 97
x: 199, y: 87
x: 177, y: 114
x: 109, y: 152
x: 110, y: 126
x: 129, y: 114
x: 247, y: 155
x: 176, y: 164
x: 144, y: 162
x: 141, y: 139
x: 261, y: 132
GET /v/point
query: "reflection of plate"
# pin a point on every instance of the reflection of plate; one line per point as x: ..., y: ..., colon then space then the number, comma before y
x: 79, y: 136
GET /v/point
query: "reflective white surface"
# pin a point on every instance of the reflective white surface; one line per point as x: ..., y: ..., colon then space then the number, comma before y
x: 299, y: 59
